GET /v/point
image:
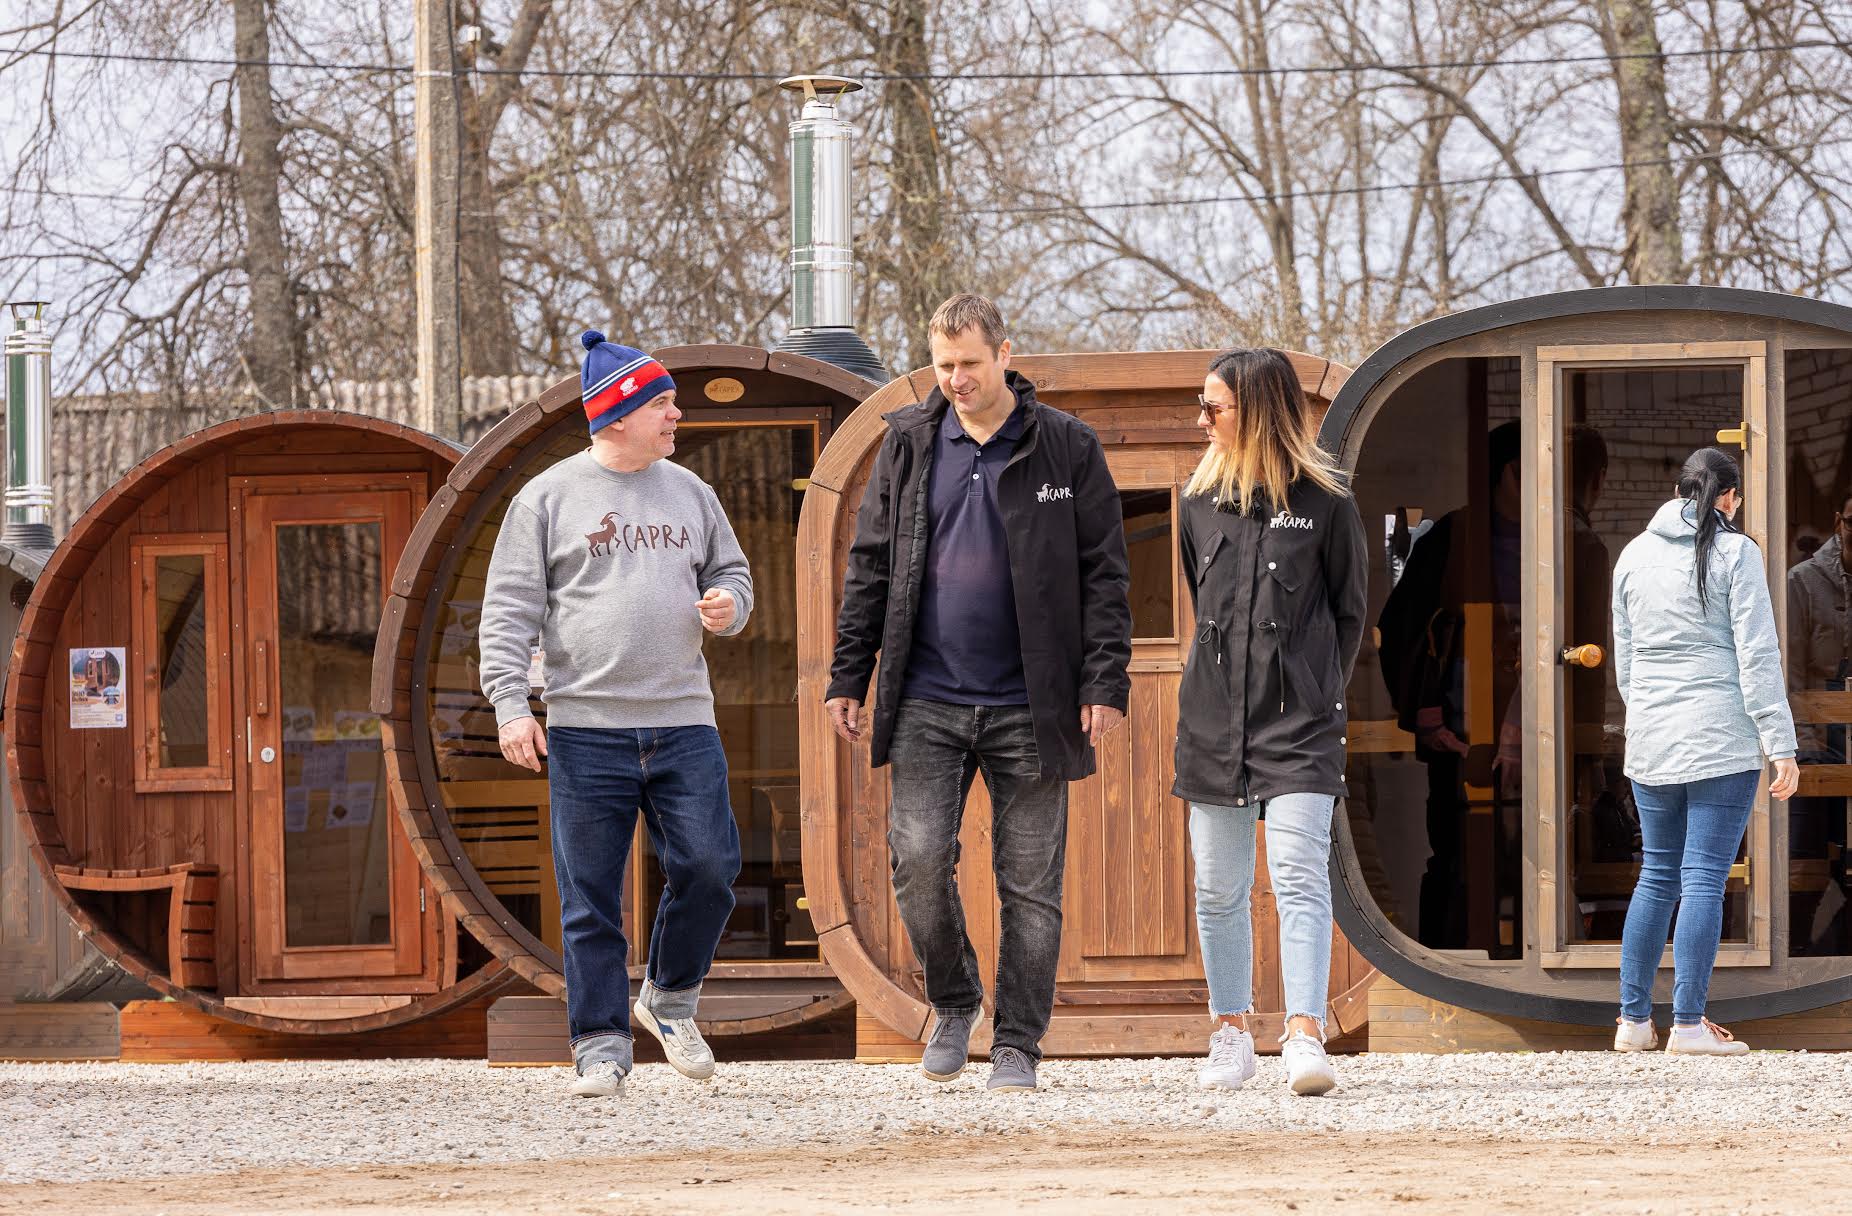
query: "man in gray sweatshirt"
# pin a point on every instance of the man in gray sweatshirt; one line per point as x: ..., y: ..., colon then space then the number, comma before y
x: 615, y: 561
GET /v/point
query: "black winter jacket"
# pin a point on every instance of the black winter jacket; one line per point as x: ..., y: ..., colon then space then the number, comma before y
x: 1279, y: 616
x: 1066, y: 536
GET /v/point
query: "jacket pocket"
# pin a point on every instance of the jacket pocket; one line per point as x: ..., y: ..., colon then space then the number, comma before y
x: 1211, y: 547
x: 1284, y: 574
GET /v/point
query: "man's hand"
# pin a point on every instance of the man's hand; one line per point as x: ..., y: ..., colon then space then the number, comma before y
x: 846, y: 716
x: 1099, y: 721
x: 1787, y: 779
x: 1432, y: 733
x: 717, y: 610
x: 523, y: 743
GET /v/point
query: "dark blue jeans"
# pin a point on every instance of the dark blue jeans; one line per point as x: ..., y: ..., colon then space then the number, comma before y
x: 1690, y: 832
x: 938, y: 749
x: 599, y: 780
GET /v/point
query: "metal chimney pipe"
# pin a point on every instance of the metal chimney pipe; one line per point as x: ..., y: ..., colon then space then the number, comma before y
x: 822, y: 255
x: 28, y: 429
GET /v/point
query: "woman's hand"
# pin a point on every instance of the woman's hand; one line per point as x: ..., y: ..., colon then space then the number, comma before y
x: 1787, y: 779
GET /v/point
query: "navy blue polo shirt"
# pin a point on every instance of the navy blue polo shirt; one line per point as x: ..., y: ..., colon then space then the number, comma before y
x: 967, y: 649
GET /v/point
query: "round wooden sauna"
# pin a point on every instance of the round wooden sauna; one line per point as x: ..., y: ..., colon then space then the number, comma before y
x: 188, y: 739
x: 753, y: 427
x: 1504, y: 457
x: 1130, y: 978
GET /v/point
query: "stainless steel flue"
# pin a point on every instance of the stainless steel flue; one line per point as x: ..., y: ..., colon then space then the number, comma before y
x: 28, y: 429
x: 822, y: 253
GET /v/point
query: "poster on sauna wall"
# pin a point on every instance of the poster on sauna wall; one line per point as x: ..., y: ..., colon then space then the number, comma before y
x: 97, y: 700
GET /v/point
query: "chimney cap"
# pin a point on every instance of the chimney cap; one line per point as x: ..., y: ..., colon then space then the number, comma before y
x: 820, y: 86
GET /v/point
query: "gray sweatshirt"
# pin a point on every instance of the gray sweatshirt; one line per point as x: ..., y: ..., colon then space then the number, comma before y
x: 1706, y: 694
x: 604, y: 569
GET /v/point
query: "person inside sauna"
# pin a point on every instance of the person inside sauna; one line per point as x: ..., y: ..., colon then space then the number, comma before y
x: 1274, y: 555
x: 1698, y: 663
x: 1462, y: 586
x: 1006, y: 655
x: 617, y: 560
x: 1820, y: 660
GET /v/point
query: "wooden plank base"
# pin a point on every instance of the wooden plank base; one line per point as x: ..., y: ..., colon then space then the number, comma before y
x: 530, y: 1031
x: 68, y: 1031
x: 1401, y: 1020
x: 1134, y: 1031
x: 167, y: 1031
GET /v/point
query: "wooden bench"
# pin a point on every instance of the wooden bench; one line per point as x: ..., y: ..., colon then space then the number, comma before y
x: 192, y: 911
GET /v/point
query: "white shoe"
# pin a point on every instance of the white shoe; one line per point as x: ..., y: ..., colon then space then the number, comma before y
x: 601, y: 1079
x: 682, y: 1044
x: 1308, y: 1068
x: 1231, y: 1059
x: 1704, y: 1039
x: 1635, y: 1036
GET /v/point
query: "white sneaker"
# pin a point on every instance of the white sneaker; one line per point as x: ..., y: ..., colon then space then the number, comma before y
x: 1308, y: 1068
x: 1705, y: 1039
x: 1635, y: 1036
x: 1231, y: 1059
x: 682, y: 1044
x: 601, y: 1079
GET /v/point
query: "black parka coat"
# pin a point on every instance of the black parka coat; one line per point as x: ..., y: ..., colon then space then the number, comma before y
x: 1280, y: 601
x: 1065, y: 530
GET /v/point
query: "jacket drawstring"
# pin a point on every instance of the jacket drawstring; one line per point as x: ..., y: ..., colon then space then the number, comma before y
x: 1279, y: 658
x: 1211, y: 635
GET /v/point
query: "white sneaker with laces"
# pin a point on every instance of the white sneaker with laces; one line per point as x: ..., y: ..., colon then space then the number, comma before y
x: 682, y: 1044
x: 601, y: 1079
x: 1635, y: 1036
x: 1308, y: 1068
x: 1705, y: 1039
x: 1231, y: 1059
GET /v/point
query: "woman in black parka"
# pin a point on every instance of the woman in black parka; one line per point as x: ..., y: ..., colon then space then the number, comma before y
x: 1273, y: 550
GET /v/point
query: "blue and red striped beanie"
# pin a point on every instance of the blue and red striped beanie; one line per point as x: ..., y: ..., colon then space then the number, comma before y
x: 616, y: 379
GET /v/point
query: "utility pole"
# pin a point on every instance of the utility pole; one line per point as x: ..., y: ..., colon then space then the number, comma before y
x: 440, y: 384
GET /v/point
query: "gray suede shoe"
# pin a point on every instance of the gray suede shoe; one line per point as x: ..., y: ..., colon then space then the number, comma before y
x: 1010, y: 1070
x: 950, y: 1046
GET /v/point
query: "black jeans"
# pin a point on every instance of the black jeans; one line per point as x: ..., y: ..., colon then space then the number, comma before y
x: 937, y: 750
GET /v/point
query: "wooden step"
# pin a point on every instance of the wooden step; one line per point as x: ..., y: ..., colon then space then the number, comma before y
x: 59, y: 1031
x: 165, y: 1031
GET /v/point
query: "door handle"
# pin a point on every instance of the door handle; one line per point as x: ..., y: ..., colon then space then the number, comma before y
x: 1587, y: 655
x: 1738, y: 435
x: 260, y: 680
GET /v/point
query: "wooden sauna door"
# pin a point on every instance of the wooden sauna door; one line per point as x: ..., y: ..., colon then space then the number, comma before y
x: 334, y: 892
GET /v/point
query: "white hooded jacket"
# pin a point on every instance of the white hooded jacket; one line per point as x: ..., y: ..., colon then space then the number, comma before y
x: 1705, y: 691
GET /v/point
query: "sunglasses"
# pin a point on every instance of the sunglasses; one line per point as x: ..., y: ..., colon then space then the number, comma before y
x: 1210, y: 408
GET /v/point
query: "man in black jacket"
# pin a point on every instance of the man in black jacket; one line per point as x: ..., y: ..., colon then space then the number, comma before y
x: 989, y: 572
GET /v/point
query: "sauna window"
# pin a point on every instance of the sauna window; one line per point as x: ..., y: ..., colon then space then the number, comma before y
x: 1818, y: 647
x: 1150, y: 549
x: 180, y: 648
x: 1436, y: 827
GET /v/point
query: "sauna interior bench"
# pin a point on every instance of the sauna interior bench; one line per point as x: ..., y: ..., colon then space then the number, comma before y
x: 192, y: 910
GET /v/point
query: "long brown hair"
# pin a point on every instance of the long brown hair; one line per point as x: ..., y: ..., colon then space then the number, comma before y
x: 1275, y: 443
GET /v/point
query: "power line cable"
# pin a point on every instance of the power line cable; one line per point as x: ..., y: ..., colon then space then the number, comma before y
x: 915, y: 77
x: 1382, y: 187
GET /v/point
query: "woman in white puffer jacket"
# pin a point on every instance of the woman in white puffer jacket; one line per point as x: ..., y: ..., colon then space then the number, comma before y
x: 1699, y: 667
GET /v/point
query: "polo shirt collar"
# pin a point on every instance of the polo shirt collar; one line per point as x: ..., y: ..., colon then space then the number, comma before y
x: 1011, y: 428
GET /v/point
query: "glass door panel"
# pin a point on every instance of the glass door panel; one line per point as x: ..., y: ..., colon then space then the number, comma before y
x: 337, y: 860
x: 1619, y: 433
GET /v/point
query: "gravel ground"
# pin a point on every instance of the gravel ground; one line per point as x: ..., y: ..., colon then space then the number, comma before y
x: 79, y: 1122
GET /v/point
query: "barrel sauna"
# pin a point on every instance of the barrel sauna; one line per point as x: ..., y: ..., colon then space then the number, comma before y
x: 1504, y: 456
x: 1130, y: 978
x: 753, y: 427
x: 42, y: 955
x: 188, y: 739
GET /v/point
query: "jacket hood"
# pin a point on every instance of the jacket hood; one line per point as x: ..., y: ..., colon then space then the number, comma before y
x: 1676, y: 520
x: 1829, y: 557
x: 930, y: 410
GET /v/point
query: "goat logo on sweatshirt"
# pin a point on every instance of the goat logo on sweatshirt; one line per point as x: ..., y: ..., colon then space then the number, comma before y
x: 615, y: 534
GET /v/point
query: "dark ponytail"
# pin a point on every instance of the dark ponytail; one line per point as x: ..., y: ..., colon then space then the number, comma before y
x: 1708, y: 475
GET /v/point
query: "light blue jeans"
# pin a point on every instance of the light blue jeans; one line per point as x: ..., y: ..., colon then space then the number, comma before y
x: 1298, y: 853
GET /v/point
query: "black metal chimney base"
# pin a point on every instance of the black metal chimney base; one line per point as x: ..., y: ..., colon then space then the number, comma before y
x: 837, y: 345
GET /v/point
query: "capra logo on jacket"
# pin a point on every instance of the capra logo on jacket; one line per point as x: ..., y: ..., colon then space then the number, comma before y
x: 1050, y: 493
x: 1286, y: 519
